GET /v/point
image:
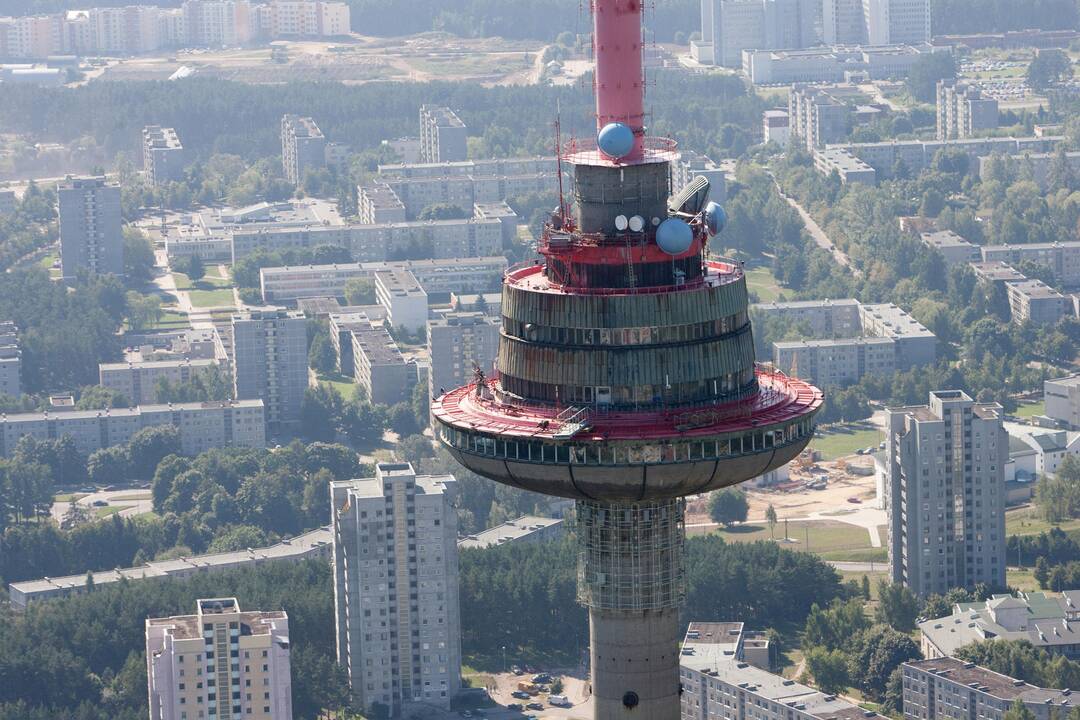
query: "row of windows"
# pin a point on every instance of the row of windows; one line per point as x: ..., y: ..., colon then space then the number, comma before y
x: 653, y: 335
x: 598, y: 454
x: 727, y: 388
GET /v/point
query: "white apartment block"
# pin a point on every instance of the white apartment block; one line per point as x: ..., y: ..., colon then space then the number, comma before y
x: 379, y: 367
x: 1063, y: 258
x: 458, y: 342
x: 946, y: 688
x: 692, y: 165
x: 163, y: 154
x: 202, y: 426
x: 270, y: 361
x: 723, y: 677
x: 313, y: 544
x: 891, y: 22
x: 962, y: 111
x: 10, y: 360
x: 1033, y: 301
x: 822, y: 318
x: 396, y: 587
x: 91, y: 239
x: 219, y: 663
x: 945, y: 493
x: 281, y: 284
x: 1063, y: 400
x: 303, y: 147
x: 443, y: 137
x: 836, y: 363
x: 342, y: 325
x: 954, y: 249
x: 405, y: 301
x: 728, y: 27
x: 138, y: 381
x: 377, y: 204
x: 843, y: 22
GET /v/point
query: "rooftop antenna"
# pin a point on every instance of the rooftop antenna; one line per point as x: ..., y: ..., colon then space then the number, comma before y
x: 558, y: 159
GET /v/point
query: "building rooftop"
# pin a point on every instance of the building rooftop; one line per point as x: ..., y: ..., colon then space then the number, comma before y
x: 377, y: 345
x: 509, y: 531
x: 995, y: 684
x: 944, y: 239
x: 833, y: 342
x: 382, y: 196
x: 189, y: 627
x: 160, y: 137
x: 71, y: 414
x: 997, y: 272
x: 304, y: 126
x: 807, y: 304
x: 399, y: 281
x: 896, y: 323
x: 1047, y: 621
x: 1035, y: 290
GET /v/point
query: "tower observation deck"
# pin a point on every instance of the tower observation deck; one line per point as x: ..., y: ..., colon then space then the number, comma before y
x: 626, y: 380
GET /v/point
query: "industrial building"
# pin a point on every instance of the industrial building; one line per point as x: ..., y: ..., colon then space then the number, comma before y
x: 163, y: 155
x: 201, y: 425
x: 270, y: 362
x: 945, y: 493
x: 313, y: 544
x: 945, y: 688
x: 443, y: 137
x: 282, y: 284
x: 396, y: 588
x: 91, y: 239
x: 724, y: 671
x: 1048, y: 623
x: 962, y: 111
x: 245, y: 656
x: 303, y: 147
x: 458, y: 342
x: 525, y: 529
x: 626, y: 381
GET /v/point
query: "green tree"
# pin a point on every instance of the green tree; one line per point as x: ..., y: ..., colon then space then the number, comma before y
x: 107, y: 465
x: 897, y: 606
x: 829, y: 669
x: 150, y: 446
x: 925, y: 73
x: 321, y: 355
x: 770, y: 517
x: 1018, y: 711
x: 442, y: 211
x: 1042, y: 572
x: 728, y: 506
x: 193, y: 267
x: 144, y: 311
x: 833, y: 627
x: 138, y: 255
x: 874, y: 654
x: 1050, y: 66
x: 864, y: 589
x: 97, y: 397
x: 360, y: 291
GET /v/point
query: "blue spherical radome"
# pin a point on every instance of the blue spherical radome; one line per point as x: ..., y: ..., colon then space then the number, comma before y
x: 616, y: 139
x: 715, y: 218
x: 674, y: 236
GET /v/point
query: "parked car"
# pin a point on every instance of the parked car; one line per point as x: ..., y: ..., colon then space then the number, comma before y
x: 520, y: 695
x: 535, y: 706
x: 514, y: 706
x: 516, y: 670
x: 100, y: 503
x: 466, y: 713
x: 541, y: 678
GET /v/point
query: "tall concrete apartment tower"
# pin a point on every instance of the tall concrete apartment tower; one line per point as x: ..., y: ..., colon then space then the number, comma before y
x: 163, y: 154
x: 219, y: 663
x: 270, y: 362
x: 730, y: 26
x: 396, y: 587
x: 91, y: 238
x: 626, y: 380
x: 945, y: 493
x: 457, y: 343
x: 443, y: 137
x: 843, y: 22
x: 962, y: 111
x: 303, y: 147
x: 894, y: 22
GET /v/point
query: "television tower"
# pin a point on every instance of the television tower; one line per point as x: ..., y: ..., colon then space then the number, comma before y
x: 626, y: 380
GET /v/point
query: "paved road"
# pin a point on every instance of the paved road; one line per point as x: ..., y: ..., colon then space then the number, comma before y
x: 860, y: 566
x: 820, y: 238
x: 869, y: 518
x: 134, y: 502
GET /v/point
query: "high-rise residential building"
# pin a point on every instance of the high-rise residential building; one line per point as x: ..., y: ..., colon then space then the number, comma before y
x: 443, y: 136
x: 945, y: 493
x: 163, y: 154
x: 842, y: 22
x: 817, y: 117
x: 308, y: 18
x: 458, y: 342
x: 896, y: 22
x: 270, y: 361
x: 91, y: 239
x: 222, y: 661
x: 962, y: 111
x: 396, y: 587
x: 218, y: 23
x: 303, y: 147
x: 10, y: 360
x: 730, y: 26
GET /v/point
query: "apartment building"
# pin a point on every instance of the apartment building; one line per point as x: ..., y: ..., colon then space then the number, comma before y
x: 1063, y: 400
x: 946, y: 688
x: 962, y: 111
x: 379, y: 367
x: 138, y: 381
x: 313, y: 544
x: 229, y: 663
x: 406, y: 303
x: 818, y: 117
x: 722, y: 669
x: 730, y: 26
x: 525, y: 529
x: 1062, y: 258
x: 1048, y: 623
x: 377, y: 204
x: 915, y: 345
x: 833, y: 63
x: 821, y: 318
x: 163, y: 154
x: 847, y: 167
x: 303, y: 147
x: 692, y: 165
x: 342, y: 326
x: 458, y: 342
x: 201, y: 425
x: 996, y: 273
x: 270, y: 362
x: 10, y: 360
x: 843, y: 22
x: 91, y: 239
x: 443, y: 137
x: 954, y: 249
x: 776, y: 127
x: 890, y: 22
x: 281, y: 284
x: 396, y: 587
x: 308, y: 18
x: 838, y: 362
x: 945, y: 493
x: 1033, y: 301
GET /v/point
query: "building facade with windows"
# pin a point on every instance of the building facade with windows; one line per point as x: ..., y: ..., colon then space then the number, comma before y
x: 270, y: 361
x: 91, y: 239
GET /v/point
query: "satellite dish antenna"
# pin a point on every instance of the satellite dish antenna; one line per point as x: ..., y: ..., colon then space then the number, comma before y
x: 620, y: 222
x: 637, y: 223
x: 655, y: 221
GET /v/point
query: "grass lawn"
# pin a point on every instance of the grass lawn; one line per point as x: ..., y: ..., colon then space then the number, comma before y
x: 846, y: 576
x: 1021, y: 579
x: 211, y: 281
x: 212, y: 298
x: 867, y: 554
x: 1031, y: 409
x: 819, y: 536
x: 1028, y: 521
x: 68, y: 497
x: 761, y: 282
x: 345, y: 386
x: 49, y: 260
x: 100, y: 512
x: 836, y: 441
x: 132, y: 498
x: 170, y: 320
